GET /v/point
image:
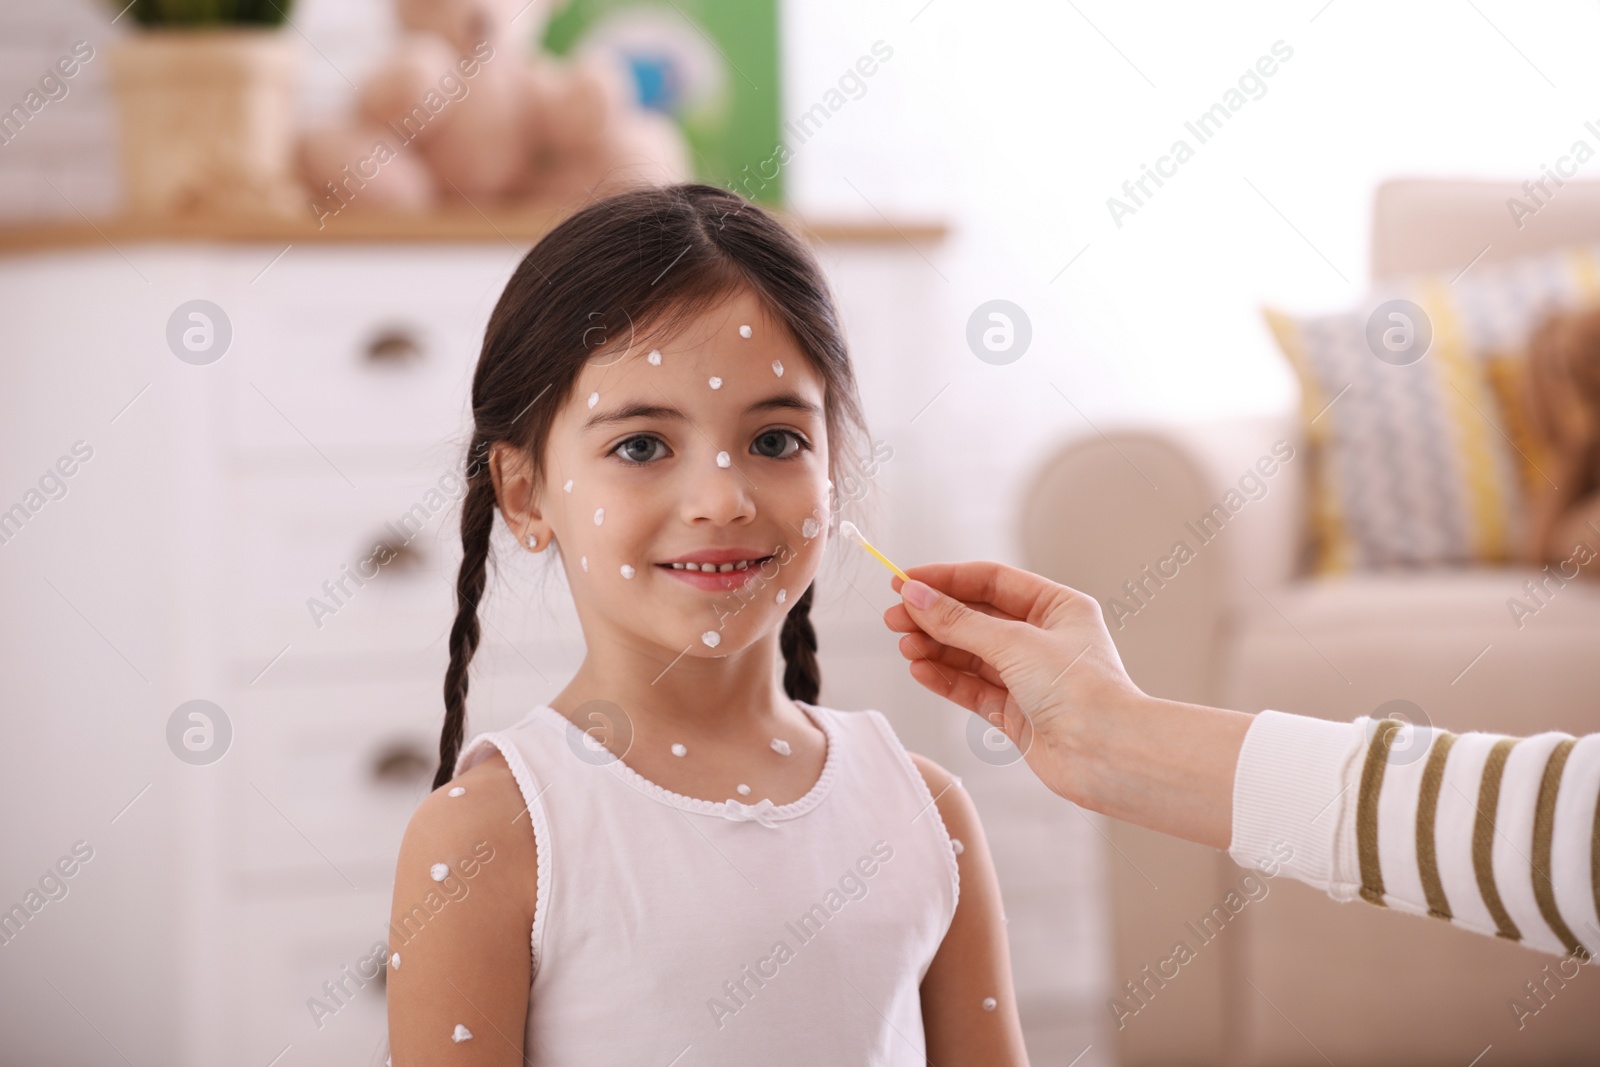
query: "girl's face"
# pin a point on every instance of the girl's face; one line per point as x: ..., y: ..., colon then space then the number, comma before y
x: 709, y: 450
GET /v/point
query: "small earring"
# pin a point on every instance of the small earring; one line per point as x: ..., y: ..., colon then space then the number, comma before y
x: 533, y: 540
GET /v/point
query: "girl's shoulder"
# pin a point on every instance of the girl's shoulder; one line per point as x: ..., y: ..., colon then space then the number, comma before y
x: 478, y: 814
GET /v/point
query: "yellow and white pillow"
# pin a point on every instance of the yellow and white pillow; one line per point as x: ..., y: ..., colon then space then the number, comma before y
x: 1426, y: 462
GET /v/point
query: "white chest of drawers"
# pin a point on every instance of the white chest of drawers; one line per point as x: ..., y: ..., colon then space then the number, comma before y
x: 204, y: 551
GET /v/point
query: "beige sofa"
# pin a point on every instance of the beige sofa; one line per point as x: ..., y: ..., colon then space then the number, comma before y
x: 1296, y: 978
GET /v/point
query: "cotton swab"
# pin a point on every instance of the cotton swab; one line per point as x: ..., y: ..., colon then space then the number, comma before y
x: 849, y: 529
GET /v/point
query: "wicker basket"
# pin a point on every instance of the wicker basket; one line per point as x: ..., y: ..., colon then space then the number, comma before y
x: 207, y: 120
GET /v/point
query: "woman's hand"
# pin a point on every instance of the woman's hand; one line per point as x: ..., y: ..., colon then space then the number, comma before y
x: 1035, y: 659
x: 1029, y: 656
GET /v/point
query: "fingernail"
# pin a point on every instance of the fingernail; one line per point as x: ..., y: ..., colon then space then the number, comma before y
x: 918, y: 595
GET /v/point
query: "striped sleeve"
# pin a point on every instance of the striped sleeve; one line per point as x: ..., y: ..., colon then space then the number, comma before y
x: 1499, y: 835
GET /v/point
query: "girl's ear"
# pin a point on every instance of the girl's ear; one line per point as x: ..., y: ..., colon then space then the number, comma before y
x: 516, y: 491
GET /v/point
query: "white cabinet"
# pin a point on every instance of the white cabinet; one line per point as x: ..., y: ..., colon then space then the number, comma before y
x: 184, y: 561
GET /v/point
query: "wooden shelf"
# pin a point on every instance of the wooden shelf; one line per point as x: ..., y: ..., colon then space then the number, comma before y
x: 518, y: 226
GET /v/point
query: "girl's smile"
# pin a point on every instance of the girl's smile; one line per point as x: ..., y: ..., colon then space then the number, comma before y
x: 717, y: 569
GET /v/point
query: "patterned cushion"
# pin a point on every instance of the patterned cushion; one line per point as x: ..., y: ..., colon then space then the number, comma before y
x: 1411, y: 406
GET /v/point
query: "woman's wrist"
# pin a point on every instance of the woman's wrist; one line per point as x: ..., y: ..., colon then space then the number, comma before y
x: 1162, y: 764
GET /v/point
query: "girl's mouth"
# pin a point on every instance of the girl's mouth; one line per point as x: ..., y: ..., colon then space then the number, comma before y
x: 716, y: 577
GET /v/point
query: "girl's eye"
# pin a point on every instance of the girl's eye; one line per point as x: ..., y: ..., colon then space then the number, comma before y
x: 639, y: 450
x: 771, y: 444
x: 774, y: 444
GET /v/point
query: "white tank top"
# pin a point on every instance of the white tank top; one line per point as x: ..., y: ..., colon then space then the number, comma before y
x: 673, y: 930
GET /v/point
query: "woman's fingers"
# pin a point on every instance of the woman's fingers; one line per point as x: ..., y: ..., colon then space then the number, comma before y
x: 1011, y: 592
x: 897, y: 618
x: 921, y: 646
x: 967, y: 690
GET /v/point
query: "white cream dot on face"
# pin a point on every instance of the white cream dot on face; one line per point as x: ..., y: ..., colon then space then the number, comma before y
x: 583, y: 561
x: 955, y: 843
x: 783, y: 594
x: 744, y: 790
x: 745, y: 331
x: 711, y: 638
x: 989, y: 1004
x: 654, y: 358
x: 594, y: 398
x: 395, y: 960
x: 780, y: 746
x: 628, y: 571
x: 457, y: 791
x: 724, y: 460
x: 439, y: 872
x: 716, y: 383
x: 460, y: 1034
x: 599, y: 516
x: 568, y: 486
x: 809, y: 528
x: 777, y: 367
x: 679, y: 750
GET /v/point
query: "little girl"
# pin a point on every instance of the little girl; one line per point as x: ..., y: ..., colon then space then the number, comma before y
x: 682, y: 860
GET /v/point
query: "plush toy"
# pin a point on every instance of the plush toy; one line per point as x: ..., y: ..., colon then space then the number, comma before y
x: 1562, y: 404
x: 461, y: 111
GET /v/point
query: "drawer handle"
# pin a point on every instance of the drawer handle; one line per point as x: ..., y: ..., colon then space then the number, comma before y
x: 394, y: 346
x: 401, y: 558
x: 401, y: 763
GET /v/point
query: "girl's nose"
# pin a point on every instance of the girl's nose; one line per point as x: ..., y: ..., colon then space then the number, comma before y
x: 718, y: 491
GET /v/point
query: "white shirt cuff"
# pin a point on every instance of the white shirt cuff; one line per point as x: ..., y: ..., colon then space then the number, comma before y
x: 1293, y: 798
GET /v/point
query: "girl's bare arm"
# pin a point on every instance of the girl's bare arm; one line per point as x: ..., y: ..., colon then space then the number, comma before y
x: 463, y: 940
x: 973, y: 964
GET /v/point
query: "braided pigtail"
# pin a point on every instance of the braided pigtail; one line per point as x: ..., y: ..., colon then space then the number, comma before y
x: 802, y: 674
x: 477, y: 523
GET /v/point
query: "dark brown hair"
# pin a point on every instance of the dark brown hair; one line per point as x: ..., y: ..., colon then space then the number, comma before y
x: 645, y: 260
